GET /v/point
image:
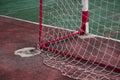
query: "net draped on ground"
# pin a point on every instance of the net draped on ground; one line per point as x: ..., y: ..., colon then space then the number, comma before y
x: 104, y: 20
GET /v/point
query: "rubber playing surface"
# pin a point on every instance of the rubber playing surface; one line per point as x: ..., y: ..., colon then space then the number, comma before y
x: 15, y: 35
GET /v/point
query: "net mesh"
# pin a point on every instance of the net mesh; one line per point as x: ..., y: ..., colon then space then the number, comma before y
x: 94, y: 56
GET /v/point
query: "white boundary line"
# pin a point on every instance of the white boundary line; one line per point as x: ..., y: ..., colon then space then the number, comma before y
x: 55, y: 27
x: 108, y: 38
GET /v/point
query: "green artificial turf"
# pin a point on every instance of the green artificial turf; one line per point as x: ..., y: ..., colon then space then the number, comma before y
x: 24, y: 9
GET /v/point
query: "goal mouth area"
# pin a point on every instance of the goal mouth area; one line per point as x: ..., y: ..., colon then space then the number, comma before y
x: 97, y: 54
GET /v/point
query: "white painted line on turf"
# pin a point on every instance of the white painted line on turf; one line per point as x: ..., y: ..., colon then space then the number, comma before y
x: 108, y: 38
x: 93, y: 36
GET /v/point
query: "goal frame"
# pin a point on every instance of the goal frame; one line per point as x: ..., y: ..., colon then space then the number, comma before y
x: 83, y: 29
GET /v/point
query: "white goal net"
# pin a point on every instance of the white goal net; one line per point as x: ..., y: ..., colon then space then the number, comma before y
x: 81, y: 38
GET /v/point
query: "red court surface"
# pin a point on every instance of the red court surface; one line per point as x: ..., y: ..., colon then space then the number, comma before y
x: 15, y: 34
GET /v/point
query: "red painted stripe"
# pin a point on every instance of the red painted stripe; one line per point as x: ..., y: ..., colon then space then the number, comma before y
x: 85, y: 16
x: 85, y: 19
